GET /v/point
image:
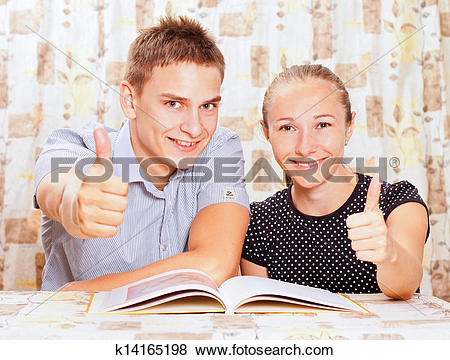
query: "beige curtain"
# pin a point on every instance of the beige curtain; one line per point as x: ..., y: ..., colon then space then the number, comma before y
x: 62, y: 61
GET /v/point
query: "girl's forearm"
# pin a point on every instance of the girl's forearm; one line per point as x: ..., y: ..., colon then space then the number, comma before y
x: 400, y: 277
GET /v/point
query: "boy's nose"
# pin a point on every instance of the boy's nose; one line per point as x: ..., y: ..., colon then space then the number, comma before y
x: 192, y: 125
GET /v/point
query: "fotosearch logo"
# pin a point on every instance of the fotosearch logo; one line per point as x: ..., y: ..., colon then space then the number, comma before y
x: 218, y: 169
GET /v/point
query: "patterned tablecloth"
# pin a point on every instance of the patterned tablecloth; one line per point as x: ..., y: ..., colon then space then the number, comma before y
x: 46, y: 315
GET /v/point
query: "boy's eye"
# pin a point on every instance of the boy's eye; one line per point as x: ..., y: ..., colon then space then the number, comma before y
x: 174, y: 104
x: 208, y: 106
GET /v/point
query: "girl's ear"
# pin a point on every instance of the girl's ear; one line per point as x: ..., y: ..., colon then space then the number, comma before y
x: 350, y: 127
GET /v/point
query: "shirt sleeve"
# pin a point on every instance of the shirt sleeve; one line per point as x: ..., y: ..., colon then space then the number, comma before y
x: 400, y: 193
x: 62, y: 149
x: 225, y: 170
x: 255, y: 243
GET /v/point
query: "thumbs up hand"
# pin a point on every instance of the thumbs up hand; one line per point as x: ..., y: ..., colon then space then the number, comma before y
x: 368, y: 230
x: 100, y: 204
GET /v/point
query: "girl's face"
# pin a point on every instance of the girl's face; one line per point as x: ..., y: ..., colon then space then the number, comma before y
x: 307, y: 130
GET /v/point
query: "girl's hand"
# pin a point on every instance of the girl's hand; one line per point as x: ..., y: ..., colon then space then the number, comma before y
x: 368, y: 230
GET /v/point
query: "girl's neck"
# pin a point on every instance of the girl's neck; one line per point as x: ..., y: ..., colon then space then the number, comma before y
x: 326, y: 197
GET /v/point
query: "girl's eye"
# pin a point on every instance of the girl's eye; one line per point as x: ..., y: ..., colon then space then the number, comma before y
x: 323, y: 125
x: 174, y: 104
x: 286, y: 128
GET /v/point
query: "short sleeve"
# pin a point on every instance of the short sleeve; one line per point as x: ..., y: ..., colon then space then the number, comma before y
x: 255, y: 243
x: 394, y: 195
x: 224, y: 165
x: 63, y: 148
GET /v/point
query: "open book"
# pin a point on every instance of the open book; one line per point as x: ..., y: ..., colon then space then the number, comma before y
x: 192, y: 291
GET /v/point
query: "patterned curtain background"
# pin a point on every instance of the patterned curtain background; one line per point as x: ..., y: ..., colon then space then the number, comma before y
x: 394, y: 54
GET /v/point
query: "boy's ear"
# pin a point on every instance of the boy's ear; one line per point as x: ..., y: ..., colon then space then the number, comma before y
x: 127, y: 100
x: 265, y: 130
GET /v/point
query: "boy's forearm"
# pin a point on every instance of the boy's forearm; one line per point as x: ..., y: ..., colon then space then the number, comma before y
x: 49, y: 196
x: 218, y: 271
x: 58, y: 200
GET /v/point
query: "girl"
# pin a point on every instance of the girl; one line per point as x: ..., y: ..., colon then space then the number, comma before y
x: 331, y: 228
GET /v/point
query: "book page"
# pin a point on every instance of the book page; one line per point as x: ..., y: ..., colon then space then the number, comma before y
x: 240, y: 289
x: 270, y: 306
x: 196, y: 302
x: 175, y: 281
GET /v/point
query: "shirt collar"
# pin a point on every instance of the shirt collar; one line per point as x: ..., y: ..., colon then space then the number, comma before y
x: 125, y: 156
x: 124, y: 150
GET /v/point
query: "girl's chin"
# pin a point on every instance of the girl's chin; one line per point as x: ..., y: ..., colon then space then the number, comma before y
x: 308, y: 184
x: 308, y: 180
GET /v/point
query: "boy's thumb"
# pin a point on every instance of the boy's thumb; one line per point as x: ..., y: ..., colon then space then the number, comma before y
x: 102, y: 143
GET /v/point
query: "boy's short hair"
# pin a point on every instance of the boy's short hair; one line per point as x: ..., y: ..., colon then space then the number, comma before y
x: 179, y: 39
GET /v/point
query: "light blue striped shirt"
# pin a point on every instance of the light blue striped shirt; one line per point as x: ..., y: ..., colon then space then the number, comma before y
x: 156, y: 223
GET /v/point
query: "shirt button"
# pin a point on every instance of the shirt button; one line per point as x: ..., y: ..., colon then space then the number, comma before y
x: 164, y: 247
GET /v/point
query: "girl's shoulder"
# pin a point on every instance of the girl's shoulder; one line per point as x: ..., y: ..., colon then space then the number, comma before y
x: 393, y: 194
x: 399, y: 189
x: 271, y: 204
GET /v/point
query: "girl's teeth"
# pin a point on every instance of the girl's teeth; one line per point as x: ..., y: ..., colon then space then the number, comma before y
x: 308, y: 164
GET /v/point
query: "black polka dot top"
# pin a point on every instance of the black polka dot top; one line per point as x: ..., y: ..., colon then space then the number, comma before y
x: 315, y: 250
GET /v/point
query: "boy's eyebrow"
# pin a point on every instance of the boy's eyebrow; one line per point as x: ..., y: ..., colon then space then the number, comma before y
x: 214, y: 100
x: 174, y: 97
x: 186, y: 100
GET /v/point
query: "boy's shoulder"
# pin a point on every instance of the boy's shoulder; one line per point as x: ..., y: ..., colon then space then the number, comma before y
x: 82, y: 136
x: 222, y: 142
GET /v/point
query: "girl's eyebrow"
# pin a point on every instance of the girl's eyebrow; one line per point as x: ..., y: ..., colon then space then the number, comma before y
x: 291, y: 119
x: 315, y: 117
x: 285, y: 118
x: 323, y: 115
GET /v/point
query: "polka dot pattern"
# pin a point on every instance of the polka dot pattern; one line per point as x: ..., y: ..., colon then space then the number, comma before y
x: 315, y: 250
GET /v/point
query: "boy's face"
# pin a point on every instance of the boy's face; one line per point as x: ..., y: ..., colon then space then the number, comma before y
x: 176, y: 114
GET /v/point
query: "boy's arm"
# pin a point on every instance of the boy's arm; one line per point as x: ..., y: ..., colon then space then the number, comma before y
x: 215, y: 244
x: 85, y: 209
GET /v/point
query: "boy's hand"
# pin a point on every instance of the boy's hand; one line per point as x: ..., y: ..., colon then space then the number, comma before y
x: 93, y: 209
x: 368, y: 230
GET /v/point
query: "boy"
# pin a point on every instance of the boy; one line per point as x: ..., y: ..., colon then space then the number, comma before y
x: 158, y: 214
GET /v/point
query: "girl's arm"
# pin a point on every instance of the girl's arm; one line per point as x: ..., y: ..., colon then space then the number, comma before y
x: 400, y: 276
x: 249, y: 268
x: 394, y: 246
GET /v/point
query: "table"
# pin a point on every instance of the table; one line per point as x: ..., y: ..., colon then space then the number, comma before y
x: 48, y: 315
